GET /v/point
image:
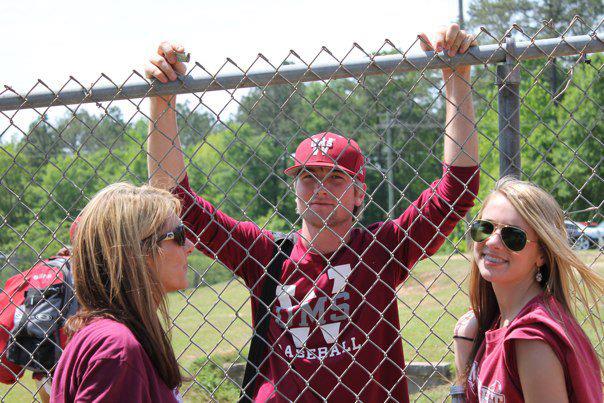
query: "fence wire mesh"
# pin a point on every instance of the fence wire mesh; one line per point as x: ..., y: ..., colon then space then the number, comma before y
x: 392, y: 102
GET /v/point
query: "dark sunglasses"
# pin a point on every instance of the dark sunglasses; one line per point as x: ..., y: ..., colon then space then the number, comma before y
x: 178, y: 234
x: 513, y: 238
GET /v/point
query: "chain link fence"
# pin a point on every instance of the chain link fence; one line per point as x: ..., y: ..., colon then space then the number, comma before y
x: 538, y: 101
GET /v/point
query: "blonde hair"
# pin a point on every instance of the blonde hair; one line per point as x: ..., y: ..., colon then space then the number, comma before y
x: 565, y: 277
x: 116, y: 234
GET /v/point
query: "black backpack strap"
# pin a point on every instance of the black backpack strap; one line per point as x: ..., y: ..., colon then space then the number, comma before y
x: 70, y: 303
x: 259, y: 344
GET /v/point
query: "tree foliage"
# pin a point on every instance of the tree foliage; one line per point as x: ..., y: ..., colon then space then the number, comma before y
x: 497, y: 16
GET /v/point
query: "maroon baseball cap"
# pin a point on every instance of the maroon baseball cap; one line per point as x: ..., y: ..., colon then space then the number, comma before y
x: 329, y: 150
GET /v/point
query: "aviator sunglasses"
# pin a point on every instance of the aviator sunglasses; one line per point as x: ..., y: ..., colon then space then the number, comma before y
x: 513, y: 238
x: 177, y: 234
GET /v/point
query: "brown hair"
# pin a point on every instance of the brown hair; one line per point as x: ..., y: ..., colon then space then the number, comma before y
x: 117, y: 234
x: 565, y: 276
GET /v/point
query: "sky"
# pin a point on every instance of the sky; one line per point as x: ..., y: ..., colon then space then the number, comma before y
x: 52, y: 40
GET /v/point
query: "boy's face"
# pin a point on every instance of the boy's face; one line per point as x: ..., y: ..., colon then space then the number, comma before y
x: 326, y: 197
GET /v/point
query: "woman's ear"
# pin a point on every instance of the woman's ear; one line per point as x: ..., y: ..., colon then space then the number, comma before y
x: 541, y: 256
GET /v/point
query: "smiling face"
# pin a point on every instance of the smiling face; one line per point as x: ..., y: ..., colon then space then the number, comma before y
x: 171, y: 260
x: 326, y: 197
x: 497, y: 263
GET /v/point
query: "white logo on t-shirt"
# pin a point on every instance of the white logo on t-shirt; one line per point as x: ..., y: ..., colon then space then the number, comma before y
x: 492, y: 394
x: 325, y: 310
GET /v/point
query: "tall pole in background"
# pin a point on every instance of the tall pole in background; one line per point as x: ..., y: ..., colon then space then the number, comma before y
x: 386, y: 122
x: 508, y: 109
x: 390, y: 170
x: 460, y: 21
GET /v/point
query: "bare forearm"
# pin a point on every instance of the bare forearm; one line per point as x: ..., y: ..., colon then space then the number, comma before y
x: 165, y: 161
x: 464, y: 334
x: 461, y: 139
x: 462, y: 349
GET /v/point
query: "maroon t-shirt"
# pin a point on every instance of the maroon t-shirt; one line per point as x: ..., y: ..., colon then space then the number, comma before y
x: 494, y: 373
x: 335, y: 329
x: 104, y: 362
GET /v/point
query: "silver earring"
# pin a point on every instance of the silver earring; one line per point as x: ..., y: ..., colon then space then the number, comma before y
x: 539, y: 276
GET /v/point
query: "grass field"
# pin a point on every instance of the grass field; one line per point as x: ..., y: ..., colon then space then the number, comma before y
x: 213, y: 321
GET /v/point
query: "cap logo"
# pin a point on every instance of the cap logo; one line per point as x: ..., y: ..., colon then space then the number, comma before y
x: 322, y: 145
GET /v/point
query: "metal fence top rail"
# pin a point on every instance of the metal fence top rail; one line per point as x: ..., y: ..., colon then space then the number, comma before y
x: 296, y: 73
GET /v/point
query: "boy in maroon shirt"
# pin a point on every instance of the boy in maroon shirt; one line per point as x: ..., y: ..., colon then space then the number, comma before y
x: 335, y: 329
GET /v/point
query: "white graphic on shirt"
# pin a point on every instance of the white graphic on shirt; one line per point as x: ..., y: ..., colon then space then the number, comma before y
x: 492, y: 394
x: 320, y: 353
x: 339, y: 275
x: 322, y: 145
x: 320, y: 309
x: 473, y: 376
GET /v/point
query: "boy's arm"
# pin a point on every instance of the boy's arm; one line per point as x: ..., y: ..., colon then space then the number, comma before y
x: 461, y: 139
x: 422, y: 228
x: 238, y: 245
x: 165, y: 161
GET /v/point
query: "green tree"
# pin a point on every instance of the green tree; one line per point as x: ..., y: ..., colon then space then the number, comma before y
x: 14, y: 174
x: 279, y: 111
x: 86, y: 133
x: 563, y: 148
x: 41, y: 142
x: 193, y: 124
x: 497, y: 16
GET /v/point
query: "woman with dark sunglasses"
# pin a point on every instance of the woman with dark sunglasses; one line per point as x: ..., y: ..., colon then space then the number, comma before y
x: 129, y: 252
x: 522, y: 341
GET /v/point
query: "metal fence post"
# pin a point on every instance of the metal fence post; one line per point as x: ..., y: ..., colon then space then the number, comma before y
x: 508, y: 81
x: 390, y: 171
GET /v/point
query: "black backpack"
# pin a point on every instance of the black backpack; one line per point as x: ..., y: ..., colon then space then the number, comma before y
x: 35, y: 305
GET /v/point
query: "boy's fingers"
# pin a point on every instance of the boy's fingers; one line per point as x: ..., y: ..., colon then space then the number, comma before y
x: 157, y: 73
x: 149, y: 71
x: 451, y: 34
x: 467, y: 42
x: 164, y: 66
x: 439, y: 39
x: 455, y: 45
x: 166, y: 49
x: 424, y: 42
x: 180, y: 68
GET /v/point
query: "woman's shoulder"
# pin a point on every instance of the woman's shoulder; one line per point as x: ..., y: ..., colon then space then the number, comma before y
x: 546, y: 319
x: 547, y: 324
x: 108, y: 338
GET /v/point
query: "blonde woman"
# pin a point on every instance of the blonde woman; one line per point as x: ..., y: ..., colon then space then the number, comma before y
x: 130, y: 251
x: 524, y: 343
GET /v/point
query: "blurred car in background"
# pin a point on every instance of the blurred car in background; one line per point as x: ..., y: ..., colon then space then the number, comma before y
x: 582, y: 237
x: 595, y: 235
x: 577, y: 239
